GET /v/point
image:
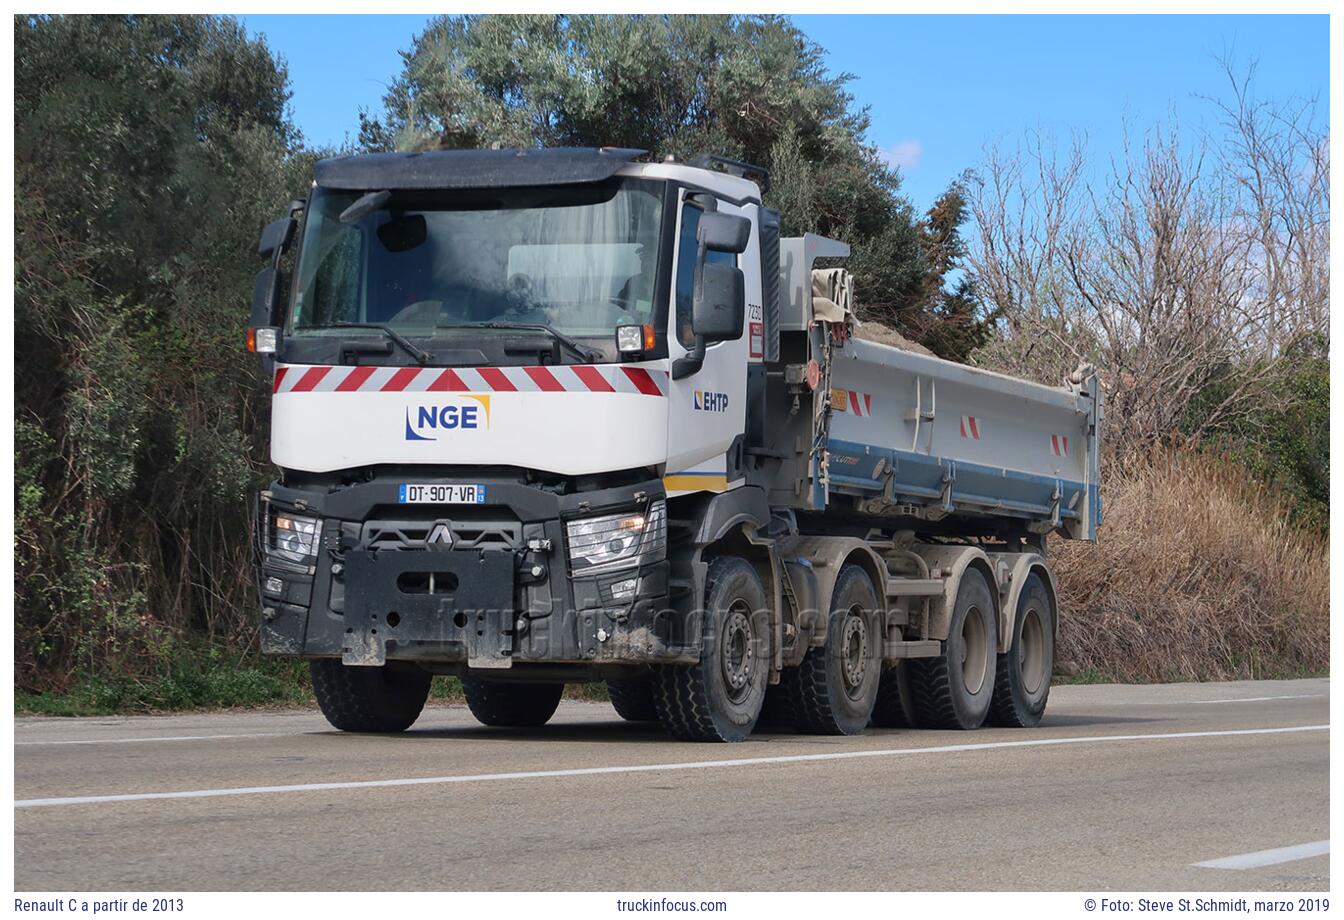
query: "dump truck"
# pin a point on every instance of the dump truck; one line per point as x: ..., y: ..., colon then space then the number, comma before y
x: 549, y: 416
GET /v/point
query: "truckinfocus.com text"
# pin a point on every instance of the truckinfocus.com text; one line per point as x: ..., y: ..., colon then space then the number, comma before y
x: 659, y: 905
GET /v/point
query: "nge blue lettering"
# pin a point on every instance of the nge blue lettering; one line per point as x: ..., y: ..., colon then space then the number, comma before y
x: 445, y: 418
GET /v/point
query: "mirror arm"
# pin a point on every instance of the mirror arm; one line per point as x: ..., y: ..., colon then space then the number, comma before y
x: 690, y: 364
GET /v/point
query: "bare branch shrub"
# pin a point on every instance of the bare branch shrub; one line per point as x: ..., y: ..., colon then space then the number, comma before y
x: 1191, y: 263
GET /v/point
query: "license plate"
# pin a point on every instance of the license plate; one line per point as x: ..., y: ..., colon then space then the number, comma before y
x: 436, y: 494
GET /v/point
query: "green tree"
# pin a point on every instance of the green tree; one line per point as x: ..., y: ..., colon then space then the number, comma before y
x: 149, y: 150
x: 946, y: 315
x: 1285, y: 439
x: 750, y: 87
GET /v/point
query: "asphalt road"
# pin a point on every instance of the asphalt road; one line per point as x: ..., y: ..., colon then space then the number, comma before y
x: 1121, y: 788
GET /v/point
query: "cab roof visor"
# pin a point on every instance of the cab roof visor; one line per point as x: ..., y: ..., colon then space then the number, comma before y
x: 463, y: 169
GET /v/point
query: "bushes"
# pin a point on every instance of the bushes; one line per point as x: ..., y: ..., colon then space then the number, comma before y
x: 1284, y: 441
x: 1198, y: 575
x: 211, y: 680
x: 149, y: 151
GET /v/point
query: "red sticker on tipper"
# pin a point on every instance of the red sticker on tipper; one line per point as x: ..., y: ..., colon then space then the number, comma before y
x: 756, y: 338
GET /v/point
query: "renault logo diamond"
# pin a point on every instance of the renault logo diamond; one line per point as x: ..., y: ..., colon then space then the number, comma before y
x: 440, y: 537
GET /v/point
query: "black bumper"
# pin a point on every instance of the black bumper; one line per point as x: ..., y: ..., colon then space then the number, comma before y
x: 493, y: 603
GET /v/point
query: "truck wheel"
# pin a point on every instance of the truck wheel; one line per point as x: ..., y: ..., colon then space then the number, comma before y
x: 1022, y: 683
x: 363, y: 699
x: 632, y: 698
x: 953, y: 690
x: 511, y: 705
x: 833, y: 689
x: 893, y: 708
x: 720, y: 697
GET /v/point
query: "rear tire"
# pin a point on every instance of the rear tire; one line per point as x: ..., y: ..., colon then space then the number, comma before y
x: 632, y: 698
x: 511, y: 705
x: 893, y: 708
x: 834, y: 688
x: 380, y: 700
x: 1022, y: 681
x: 719, y: 698
x: 953, y: 691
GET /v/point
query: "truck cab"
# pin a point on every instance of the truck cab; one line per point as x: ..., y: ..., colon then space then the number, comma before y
x: 540, y: 417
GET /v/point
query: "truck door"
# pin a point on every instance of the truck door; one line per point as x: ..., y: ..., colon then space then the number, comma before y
x: 706, y: 410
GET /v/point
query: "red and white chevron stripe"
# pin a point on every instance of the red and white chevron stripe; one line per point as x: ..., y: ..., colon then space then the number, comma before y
x: 970, y: 428
x: 1059, y: 445
x: 860, y: 404
x: 569, y: 378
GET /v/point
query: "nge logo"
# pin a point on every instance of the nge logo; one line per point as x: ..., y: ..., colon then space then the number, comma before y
x: 424, y: 423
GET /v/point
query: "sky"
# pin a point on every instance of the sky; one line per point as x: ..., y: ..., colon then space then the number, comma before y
x: 939, y: 88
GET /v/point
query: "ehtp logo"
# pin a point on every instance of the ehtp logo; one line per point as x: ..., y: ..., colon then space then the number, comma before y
x: 424, y: 423
x: 707, y: 401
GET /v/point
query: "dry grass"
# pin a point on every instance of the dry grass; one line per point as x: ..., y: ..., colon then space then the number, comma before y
x: 1198, y: 576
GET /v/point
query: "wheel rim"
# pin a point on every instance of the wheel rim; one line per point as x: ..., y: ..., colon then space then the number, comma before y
x: 974, y: 651
x: 854, y: 651
x: 1031, y: 658
x: 735, y: 657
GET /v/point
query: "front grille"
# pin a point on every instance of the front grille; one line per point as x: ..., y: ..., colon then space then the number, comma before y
x: 466, y: 534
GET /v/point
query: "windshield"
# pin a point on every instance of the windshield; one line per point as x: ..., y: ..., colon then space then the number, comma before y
x: 580, y: 259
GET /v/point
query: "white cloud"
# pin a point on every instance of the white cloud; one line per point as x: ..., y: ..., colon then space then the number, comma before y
x: 903, y: 155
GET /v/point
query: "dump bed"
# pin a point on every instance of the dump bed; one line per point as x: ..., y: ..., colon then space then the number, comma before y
x: 908, y: 433
x: 920, y: 431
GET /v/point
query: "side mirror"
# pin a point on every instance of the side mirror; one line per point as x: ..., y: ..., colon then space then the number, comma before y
x: 266, y: 296
x: 720, y: 303
x: 723, y: 232
x: 717, y: 311
x: 276, y: 237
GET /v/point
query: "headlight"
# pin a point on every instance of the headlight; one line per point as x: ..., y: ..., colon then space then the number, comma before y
x: 618, y: 540
x: 293, y: 536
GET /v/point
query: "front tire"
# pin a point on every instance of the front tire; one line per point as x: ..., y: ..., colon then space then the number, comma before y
x: 632, y: 698
x: 953, y: 691
x: 719, y: 698
x: 381, y: 700
x: 1022, y: 681
x: 511, y: 705
x: 834, y: 688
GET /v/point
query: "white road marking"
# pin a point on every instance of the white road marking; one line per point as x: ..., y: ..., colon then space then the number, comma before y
x: 1257, y: 699
x: 1269, y: 857
x: 162, y: 738
x: 648, y: 768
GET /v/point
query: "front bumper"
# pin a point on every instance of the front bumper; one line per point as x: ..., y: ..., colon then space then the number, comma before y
x: 503, y: 594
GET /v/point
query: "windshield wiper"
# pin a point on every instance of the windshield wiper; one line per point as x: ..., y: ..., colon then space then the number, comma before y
x: 419, y: 354
x: 585, y: 353
x: 365, y: 205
